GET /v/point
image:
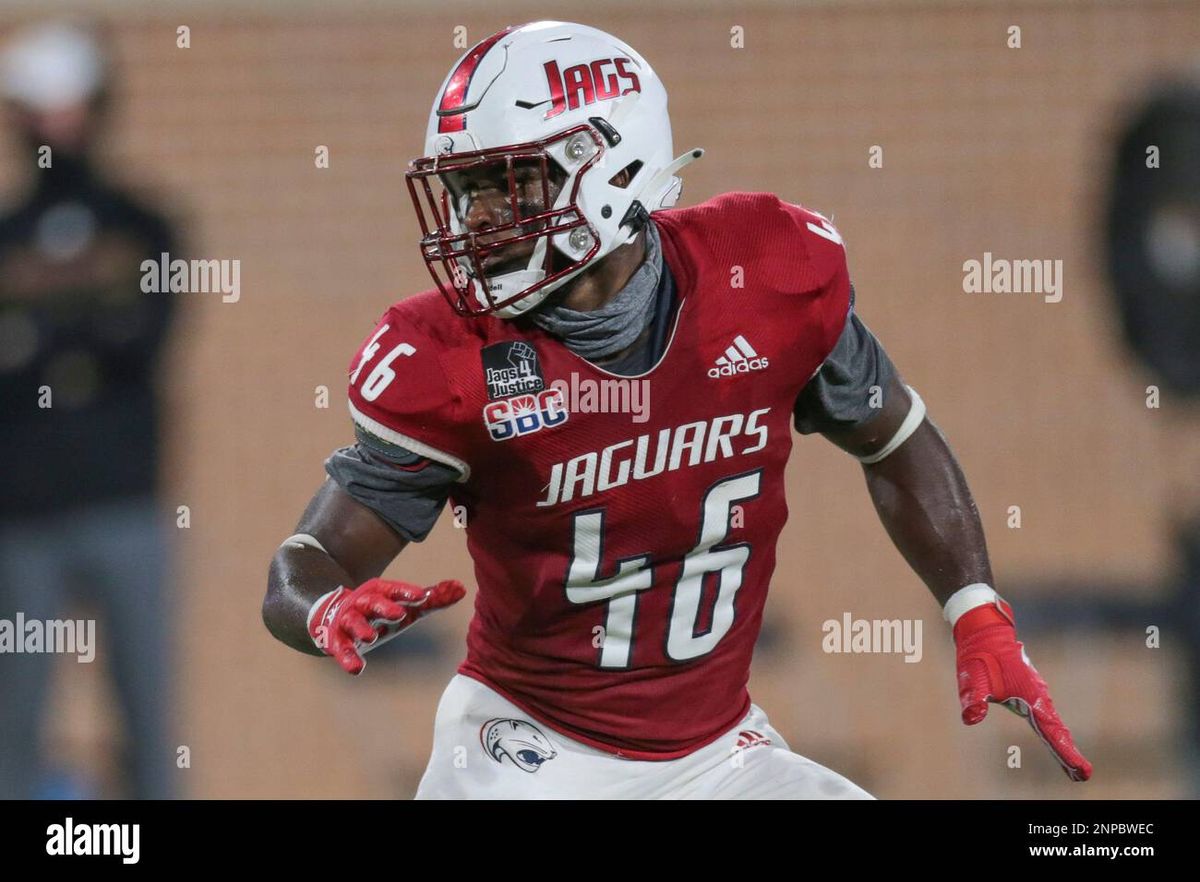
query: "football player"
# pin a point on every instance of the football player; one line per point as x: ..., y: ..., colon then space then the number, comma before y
x: 622, y: 565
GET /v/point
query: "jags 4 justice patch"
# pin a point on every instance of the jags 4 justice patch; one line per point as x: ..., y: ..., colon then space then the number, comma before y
x: 511, y: 368
x: 519, y: 402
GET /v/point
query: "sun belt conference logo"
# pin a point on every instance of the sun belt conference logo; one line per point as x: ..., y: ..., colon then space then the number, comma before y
x: 739, y: 358
x: 524, y: 414
x: 522, y: 742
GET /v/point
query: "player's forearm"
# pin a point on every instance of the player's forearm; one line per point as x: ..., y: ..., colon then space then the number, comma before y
x: 923, y: 500
x: 354, y: 545
x: 298, y: 576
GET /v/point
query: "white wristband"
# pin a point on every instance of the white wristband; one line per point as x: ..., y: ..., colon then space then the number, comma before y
x: 966, y: 599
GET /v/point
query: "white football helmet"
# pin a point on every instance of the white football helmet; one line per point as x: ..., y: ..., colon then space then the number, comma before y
x: 572, y: 107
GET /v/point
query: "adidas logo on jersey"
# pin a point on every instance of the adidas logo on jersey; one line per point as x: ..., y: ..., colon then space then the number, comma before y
x: 739, y: 358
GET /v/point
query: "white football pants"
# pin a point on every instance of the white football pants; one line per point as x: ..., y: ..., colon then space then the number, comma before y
x: 484, y: 747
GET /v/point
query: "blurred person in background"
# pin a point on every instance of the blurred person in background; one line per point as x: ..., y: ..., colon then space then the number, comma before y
x: 79, y: 520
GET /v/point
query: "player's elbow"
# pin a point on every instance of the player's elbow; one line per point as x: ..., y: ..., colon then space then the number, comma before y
x: 274, y: 611
x: 270, y: 613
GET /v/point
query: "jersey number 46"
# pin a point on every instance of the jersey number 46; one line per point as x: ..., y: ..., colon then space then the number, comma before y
x: 725, y: 563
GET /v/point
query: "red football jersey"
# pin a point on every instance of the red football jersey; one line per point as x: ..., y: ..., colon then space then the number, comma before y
x: 623, y: 558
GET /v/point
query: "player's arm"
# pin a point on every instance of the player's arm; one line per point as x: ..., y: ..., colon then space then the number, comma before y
x: 919, y: 492
x: 352, y: 544
x: 324, y: 591
x: 923, y: 500
x: 858, y: 401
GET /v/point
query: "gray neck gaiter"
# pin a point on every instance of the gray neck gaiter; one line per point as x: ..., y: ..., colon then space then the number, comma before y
x: 618, y: 323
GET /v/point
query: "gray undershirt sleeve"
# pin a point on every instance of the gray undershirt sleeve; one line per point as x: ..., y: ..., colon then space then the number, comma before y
x: 405, y: 489
x: 839, y: 394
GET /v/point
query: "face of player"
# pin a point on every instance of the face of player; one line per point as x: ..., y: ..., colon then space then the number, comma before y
x: 481, y: 198
x: 67, y: 129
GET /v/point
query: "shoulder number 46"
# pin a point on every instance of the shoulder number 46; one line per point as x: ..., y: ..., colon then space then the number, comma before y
x: 382, y: 374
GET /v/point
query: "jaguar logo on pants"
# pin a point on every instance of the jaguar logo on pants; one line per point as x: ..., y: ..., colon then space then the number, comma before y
x: 520, y: 741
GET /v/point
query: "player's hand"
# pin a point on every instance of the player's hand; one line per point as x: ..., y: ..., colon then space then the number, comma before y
x: 346, y: 624
x: 993, y: 666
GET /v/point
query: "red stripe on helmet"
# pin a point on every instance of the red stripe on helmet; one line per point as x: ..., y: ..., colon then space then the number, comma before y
x: 460, y: 82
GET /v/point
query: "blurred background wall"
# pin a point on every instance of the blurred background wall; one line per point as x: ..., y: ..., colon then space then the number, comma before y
x: 985, y: 148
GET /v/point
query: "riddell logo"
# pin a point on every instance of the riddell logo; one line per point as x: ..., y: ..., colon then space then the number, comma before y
x: 739, y: 358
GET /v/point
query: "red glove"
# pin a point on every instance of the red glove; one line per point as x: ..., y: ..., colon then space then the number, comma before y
x: 993, y: 666
x: 346, y: 624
